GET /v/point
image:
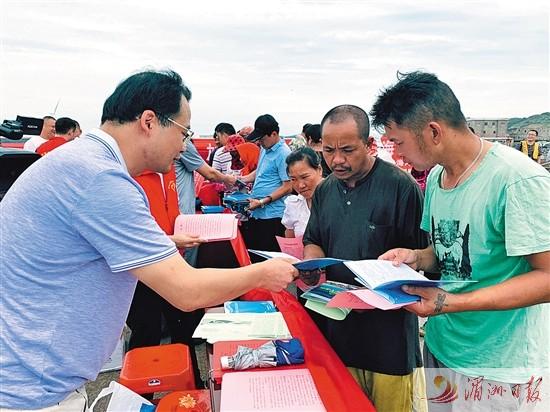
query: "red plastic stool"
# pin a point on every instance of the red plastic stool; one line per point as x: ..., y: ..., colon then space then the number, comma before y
x: 158, y: 369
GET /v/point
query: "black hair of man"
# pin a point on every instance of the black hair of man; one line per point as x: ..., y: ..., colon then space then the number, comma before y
x: 48, y: 117
x: 533, y: 130
x: 415, y: 100
x: 159, y: 91
x: 306, y: 154
x: 343, y: 112
x: 64, y: 125
x: 313, y: 133
x: 226, y: 128
x: 305, y: 127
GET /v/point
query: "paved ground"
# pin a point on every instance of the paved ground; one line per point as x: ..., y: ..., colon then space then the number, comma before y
x: 93, y: 389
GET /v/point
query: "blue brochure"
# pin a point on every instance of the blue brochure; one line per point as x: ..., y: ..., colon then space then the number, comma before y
x: 308, y: 264
x: 386, y: 280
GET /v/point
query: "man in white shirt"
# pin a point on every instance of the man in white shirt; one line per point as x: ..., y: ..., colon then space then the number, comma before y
x: 48, y: 132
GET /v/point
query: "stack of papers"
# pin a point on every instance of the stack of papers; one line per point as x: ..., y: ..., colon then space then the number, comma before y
x: 290, y: 390
x: 215, y: 327
x: 362, y: 299
x: 319, y: 297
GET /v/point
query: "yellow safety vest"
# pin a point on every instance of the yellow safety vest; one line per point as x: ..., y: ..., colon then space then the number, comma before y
x: 525, y: 150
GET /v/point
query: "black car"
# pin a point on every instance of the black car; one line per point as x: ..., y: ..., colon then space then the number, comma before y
x: 13, y: 162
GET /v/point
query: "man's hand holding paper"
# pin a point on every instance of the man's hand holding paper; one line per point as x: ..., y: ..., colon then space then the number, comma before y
x: 433, y: 300
x: 401, y: 255
x: 186, y: 240
x: 278, y: 273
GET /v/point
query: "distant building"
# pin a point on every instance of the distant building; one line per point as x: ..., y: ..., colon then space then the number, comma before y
x: 491, y: 129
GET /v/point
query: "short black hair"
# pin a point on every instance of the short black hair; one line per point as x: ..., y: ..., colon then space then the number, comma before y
x: 313, y: 133
x: 159, y: 91
x: 264, y: 125
x: 303, y: 153
x: 64, y: 125
x: 305, y: 127
x: 48, y: 117
x: 533, y: 130
x: 343, y: 112
x: 416, y: 99
x: 226, y: 128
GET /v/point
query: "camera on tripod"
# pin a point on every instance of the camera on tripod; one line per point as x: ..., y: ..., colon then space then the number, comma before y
x: 16, y: 129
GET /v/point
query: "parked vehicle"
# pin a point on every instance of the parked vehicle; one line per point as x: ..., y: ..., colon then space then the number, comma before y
x: 13, y: 162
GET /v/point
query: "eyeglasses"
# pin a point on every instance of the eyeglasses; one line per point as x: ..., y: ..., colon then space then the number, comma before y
x: 187, y: 132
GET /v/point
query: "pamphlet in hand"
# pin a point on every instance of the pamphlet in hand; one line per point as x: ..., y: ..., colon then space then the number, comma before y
x: 311, y: 273
x: 317, y: 299
x: 363, y: 299
x: 210, y: 227
x: 308, y: 264
x: 385, y: 279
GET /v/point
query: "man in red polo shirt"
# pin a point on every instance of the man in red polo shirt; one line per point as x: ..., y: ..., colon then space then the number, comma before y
x: 65, y: 131
x: 148, y: 307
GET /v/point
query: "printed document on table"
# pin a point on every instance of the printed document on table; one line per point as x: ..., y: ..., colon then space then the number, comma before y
x: 216, y: 327
x: 210, y: 227
x: 290, y: 390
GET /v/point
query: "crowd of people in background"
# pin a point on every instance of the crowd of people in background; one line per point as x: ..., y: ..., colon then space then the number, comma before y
x: 54, y: 133
x: 233, y: 154
x: 463, y: 218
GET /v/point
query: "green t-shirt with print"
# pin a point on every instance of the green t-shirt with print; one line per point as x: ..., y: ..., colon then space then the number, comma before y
x: 480, y: 231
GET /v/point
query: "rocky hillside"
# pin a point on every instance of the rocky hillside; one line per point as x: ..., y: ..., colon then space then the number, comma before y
x: 518, y: 125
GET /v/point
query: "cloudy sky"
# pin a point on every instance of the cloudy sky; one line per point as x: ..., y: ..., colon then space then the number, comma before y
x: 293, y: 59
